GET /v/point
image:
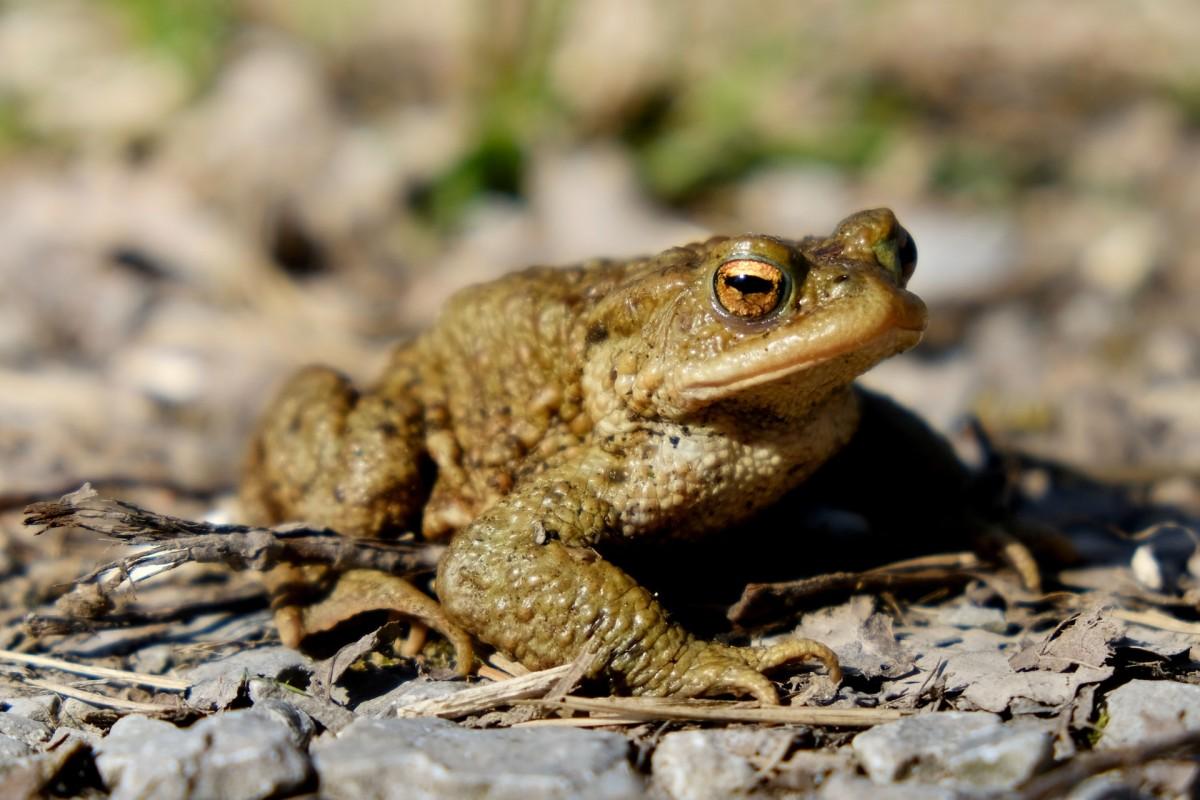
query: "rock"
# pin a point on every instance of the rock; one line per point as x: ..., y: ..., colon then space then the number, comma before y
x: 614, y: 217
x: 962, y: 255
x: 55, y: 52
x: 1003, y: 758
x: 889, y: 751
x: 608, y: 52
x: 298, y: 723
x: 29, y: 731
x: 844, y: 786
x: 692, y: 765
x: 724, y: 762
x: 1142, y: 711
x: 216, y: 684
x: 330, y: 715
x: 26, y: 774
x: 794, y: 200
x: 966, y: 750
x: 12, y: 749
x: 413, y: 691
x: 238, y: 754
x: 80, y: 715
x: 432, y: 758
x: 42, y: 707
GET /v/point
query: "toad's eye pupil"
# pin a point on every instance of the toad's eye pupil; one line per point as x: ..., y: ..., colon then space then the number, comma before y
x: 749, y: 284
x: 749, y: 288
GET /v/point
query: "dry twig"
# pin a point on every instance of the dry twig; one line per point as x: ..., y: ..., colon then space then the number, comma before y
x: 771, y: 601
x: 119, y: 675
x: 653, y: 708
x: 102, y: 700
x: 172, y: 541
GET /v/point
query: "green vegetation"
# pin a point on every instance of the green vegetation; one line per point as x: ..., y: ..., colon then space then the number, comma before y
x: 192, y: 32
x: 693, y: 129
x: 14, y: 133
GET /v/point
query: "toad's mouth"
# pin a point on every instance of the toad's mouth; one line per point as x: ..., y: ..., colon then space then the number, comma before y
x: 872, y: 333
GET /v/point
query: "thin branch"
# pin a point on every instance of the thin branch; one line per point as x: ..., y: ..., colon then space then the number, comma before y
x: 172, y: 541
x: 120, y: 675
x: 649, y: 708
x: 770, y: 601
x: 103, y: 701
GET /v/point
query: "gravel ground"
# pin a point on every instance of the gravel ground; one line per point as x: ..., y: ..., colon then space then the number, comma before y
x: 195, y: 199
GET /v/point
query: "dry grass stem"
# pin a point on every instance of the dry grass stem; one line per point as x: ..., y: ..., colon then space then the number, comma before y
x: 119, y: 675
x: 101, y: 700
x: 647, y: 708
x: 1152, y: 618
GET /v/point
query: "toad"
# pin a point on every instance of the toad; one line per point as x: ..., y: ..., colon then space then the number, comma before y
x: 554, y: 413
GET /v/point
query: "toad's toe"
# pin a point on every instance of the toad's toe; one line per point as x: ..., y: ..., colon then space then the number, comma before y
x: 769, y: 657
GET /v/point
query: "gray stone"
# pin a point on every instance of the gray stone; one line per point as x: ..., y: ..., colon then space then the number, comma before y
x: 414, y: 691
x: 42, y: 707
x: 90, y: 738
x: 742, y: 762
x: 239, y: 754
x: 29, y: 731
x: 702, y: 764
x: 431, y: 758
x: 12, y: 749
x: 1002, y: 758
x: 948, y: 271
x: 1141, y: 711
x: 299, y: 724
x: 154, y: 660
x: 967, y: 750
x: 216, y: 684
x: 911, y: 745
x: 78, y: 714
x: 266, y: 693
x: 26, y: 774
x: 844, y: 786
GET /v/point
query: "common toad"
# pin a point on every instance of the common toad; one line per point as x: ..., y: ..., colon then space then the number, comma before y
x: 555, y: 412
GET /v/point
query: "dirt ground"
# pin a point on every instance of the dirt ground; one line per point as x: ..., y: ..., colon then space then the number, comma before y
x: 197, y: 198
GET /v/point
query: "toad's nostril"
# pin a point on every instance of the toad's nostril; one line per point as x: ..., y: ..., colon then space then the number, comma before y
x: 841, y: 278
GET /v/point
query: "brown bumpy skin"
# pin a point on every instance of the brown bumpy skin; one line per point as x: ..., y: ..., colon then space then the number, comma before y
x: 558, y: 411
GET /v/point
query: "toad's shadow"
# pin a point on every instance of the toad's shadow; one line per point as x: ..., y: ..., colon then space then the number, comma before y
x: 1069, y: 521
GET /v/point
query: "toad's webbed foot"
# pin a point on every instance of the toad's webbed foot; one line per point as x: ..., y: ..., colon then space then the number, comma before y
x: 715, y: 669
x: 354, y: 592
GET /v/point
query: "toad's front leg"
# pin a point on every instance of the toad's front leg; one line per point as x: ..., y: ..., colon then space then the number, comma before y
x: 523, y: 577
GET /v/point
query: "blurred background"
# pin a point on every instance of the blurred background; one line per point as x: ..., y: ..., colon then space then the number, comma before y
x: 196, y: 196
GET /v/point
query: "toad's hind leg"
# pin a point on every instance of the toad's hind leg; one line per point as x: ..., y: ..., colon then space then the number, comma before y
x: 524, y: 577
x: 328, y: 455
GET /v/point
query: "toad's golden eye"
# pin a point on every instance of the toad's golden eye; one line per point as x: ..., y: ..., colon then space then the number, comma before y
x: 748, y: 288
